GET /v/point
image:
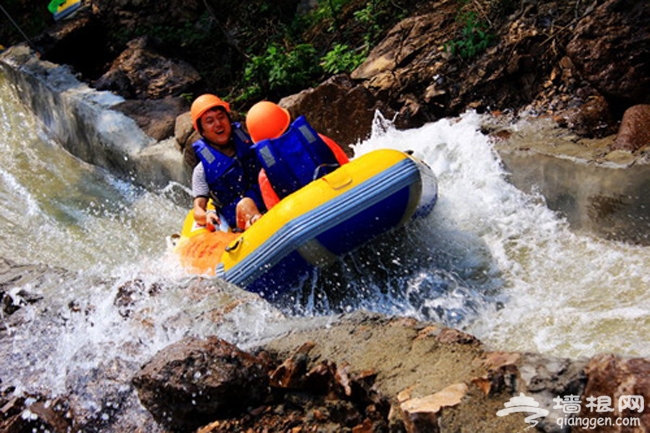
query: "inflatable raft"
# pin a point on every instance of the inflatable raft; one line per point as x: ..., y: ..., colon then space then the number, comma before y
x: 62, y: 9
x: 314, y: 226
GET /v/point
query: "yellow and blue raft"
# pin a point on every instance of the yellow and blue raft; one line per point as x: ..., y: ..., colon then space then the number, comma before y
x: 61, y: 9
x: 314, y: 226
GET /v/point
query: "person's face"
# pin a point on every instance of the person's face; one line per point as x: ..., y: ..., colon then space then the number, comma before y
x: 216, y: 126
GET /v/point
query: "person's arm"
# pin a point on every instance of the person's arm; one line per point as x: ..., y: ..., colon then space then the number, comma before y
x: 201, y: 191
x: 203, y: 215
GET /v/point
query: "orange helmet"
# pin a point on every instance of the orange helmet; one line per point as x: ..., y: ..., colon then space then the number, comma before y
x: 204, y: 103
x: 267, y: 120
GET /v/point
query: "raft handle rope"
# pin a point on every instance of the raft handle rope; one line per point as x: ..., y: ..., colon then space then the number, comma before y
x: 234, y: 246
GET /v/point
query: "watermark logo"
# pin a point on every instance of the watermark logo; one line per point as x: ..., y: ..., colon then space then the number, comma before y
x: 572, y: 405
x: 522, y: 403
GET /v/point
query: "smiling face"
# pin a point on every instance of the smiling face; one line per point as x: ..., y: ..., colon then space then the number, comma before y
x: 216, y: 127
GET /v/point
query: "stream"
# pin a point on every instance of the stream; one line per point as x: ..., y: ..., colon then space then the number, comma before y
x: 103, y: 293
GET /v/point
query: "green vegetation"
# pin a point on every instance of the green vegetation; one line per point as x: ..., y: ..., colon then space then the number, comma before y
x: 474, y: 38
x: 247, y: 50
x: 341, y: 59
x: 334, y: 38
x: 280, y: 71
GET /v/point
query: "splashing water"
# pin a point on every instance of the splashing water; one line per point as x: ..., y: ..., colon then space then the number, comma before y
x: 489, y: 259
x: 562, y: 293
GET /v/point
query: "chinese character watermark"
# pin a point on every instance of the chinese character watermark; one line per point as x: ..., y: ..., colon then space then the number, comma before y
x: 572, y: 405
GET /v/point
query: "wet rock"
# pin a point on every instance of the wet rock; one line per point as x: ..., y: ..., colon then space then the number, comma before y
x: 184, y: 132
x: 501, y: 375
x: 130, y: 293
x: 33, y: 413
x: 185, y: 136
x: 194, y: 382
x: 622, y: 386
x: 141, y: 72
x: 540, y: 377
x: 593, y: 119
x: 292, y: 370
x: 634, y: 132
x: 101, y: 397
x: 547, y: 378
x: 12, y: 302
x: 454, y: 336
x: 157, y: 118
x: 15, y: 277
x: 337, y: 108
x: 327, y: 398
x: 611, y: 49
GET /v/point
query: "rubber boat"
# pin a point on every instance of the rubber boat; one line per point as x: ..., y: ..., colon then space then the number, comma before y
x: 64, y: 9
x: 314, y: 226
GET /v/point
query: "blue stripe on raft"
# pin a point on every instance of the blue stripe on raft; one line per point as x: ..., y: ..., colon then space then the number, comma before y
x: 289, y: 272
x: 315, y: 222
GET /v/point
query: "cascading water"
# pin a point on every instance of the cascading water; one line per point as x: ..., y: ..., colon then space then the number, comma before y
x: 489, y: 259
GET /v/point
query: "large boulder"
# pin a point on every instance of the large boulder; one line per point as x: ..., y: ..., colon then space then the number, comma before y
x: 156, y: 117
x: 611, y: 50
x: 193, y: 382
x: 142, y: 72
x: 337, y: 108
x: 620, y: 390
x: 408, y: 67
x: 421, y: 69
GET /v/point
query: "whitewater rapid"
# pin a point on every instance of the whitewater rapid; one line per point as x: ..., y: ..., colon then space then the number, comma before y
x: 490, y: 259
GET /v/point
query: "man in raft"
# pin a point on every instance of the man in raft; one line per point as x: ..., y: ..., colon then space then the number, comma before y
x: 227, y: 170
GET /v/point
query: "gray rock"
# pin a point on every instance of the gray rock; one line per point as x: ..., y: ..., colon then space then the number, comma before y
x: 149, y: 74
x: 156, y: 117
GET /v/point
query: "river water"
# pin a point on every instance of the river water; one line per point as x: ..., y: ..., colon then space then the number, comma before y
x: 490, y: 260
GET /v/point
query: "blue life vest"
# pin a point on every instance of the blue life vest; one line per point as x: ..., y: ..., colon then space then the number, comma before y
x: 296, y: 158
x: 231, y: 178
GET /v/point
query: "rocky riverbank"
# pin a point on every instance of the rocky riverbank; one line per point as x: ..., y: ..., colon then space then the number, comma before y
x: 359, y: 372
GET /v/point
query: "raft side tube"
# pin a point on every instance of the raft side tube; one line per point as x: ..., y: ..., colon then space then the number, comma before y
x: 330, y: 217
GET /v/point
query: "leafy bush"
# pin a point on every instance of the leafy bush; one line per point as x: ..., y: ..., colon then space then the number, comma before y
x: 341, y: 59
x: 474, y: 37
x: 281, y: 71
